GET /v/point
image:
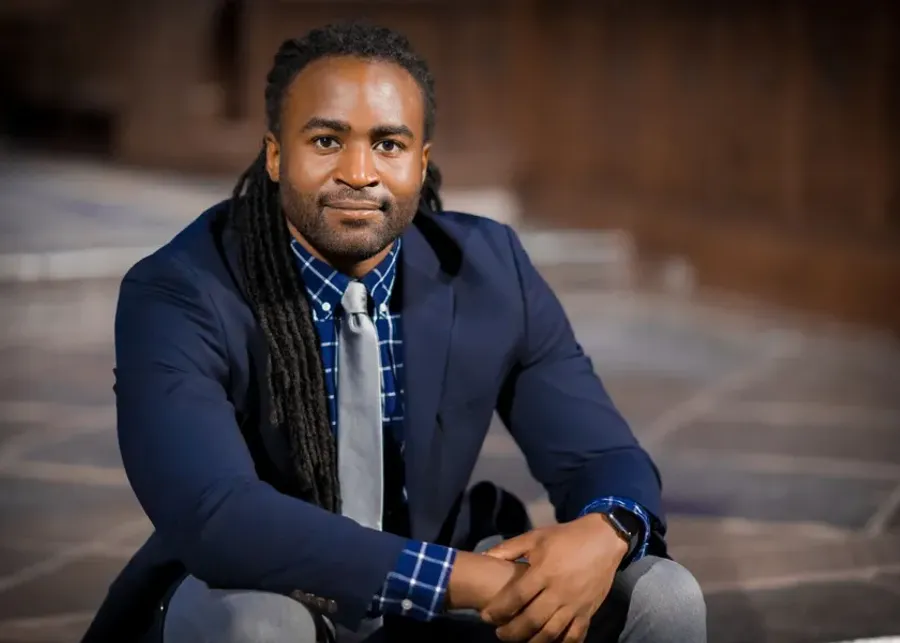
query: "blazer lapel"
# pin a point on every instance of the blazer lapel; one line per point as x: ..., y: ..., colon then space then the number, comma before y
x: 428, y: 306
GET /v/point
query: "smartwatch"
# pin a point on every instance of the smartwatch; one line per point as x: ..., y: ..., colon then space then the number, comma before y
x: 627, y: 525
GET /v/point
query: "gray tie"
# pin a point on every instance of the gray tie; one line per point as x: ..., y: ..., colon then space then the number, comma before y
x: 359, y: 429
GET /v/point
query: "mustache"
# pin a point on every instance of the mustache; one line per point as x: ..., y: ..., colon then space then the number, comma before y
x: 353, y: 196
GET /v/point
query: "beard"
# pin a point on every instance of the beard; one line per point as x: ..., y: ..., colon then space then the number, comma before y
x: 346, y: 241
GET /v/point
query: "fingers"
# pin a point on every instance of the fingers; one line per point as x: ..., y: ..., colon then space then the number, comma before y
x: 577, y: 631
x: 555, y: 628
x: 514, y: 548
x: 513, y: 598
x: 543, y: 612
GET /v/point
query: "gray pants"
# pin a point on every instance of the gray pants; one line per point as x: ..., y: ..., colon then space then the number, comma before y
x: 653, y: 601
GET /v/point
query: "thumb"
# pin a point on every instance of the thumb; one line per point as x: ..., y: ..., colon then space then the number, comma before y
x: 514, y: 548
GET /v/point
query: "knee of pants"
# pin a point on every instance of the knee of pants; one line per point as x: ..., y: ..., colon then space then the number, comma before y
x: 198, y: 615
x: 667, y: 596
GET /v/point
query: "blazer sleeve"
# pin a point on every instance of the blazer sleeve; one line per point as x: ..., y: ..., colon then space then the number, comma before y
x: 192, y: 471
x: 576, y: 443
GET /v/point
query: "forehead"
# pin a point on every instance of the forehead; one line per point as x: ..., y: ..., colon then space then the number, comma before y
x: 361, y: 92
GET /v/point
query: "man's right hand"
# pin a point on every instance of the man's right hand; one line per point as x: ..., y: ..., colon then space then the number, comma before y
x: 475, y: 579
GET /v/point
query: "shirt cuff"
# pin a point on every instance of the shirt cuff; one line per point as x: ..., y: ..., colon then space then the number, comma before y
x: 417, y: 586
x: 602, y: 505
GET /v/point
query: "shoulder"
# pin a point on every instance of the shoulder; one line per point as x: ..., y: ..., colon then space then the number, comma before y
x: 464, y: 225
x: 194, y: 252
x: 485, y: 243
x: 480, y: 237
x: 174, y: 302
x: 187, y: 281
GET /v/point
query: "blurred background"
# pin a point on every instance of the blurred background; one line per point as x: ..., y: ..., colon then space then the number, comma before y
x: 712, y: 188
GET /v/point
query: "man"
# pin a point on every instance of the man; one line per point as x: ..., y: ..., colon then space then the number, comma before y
x: 305, y: 376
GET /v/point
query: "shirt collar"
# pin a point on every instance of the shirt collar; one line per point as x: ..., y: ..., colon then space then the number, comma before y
x: 325, y: 285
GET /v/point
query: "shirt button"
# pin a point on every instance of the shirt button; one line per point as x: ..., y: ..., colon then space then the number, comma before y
x: 326, y: 306
x: 406, y: 604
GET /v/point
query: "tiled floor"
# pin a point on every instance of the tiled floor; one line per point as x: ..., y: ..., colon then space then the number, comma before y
x: 778, y: 438
x: 782, y: 483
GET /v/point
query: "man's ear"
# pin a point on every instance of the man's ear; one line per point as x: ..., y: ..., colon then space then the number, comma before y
x: 426, y: 154
x: 273, y: 157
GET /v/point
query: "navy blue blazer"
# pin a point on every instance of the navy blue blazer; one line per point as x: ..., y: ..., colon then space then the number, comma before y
x: 483, y: 332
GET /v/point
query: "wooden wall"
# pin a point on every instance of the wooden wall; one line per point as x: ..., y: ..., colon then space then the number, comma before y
x: 780, y: 110
x: 760, y: 138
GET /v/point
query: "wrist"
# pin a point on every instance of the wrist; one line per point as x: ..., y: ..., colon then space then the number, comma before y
x: 462, y: 587
x: 603, y: 523
x: 476, y: 578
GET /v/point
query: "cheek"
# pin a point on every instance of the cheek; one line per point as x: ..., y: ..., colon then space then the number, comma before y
x: 402, y: 177
x: 306, y: 172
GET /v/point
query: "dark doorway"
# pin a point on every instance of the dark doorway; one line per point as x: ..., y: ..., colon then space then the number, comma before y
x: 226, y: 50
x: 32, y: 119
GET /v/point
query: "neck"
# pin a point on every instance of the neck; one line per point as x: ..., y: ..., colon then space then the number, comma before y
x: 354, y: 269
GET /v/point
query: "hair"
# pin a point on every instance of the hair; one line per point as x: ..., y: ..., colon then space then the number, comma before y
x: 296, y: 383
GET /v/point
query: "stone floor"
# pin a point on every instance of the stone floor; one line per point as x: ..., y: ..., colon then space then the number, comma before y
x: 778, y: 438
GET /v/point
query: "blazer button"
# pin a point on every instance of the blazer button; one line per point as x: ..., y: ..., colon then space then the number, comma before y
x: 332, y: 606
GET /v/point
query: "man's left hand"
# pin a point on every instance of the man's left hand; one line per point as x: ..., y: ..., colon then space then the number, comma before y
x: 572, y: 567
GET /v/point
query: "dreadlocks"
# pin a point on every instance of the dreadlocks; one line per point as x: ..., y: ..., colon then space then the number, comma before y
x: 295, y: 374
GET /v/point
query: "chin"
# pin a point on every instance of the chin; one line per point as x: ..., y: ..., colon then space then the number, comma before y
x: 356, y: 247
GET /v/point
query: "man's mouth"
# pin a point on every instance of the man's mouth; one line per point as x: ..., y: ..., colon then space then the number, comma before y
x: 353, y: 212
x: 354, y: 206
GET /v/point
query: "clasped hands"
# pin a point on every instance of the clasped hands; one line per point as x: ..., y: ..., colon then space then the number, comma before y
x: 569, y: 572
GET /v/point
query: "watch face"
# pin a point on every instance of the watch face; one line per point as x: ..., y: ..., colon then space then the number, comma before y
x: 627, y: 521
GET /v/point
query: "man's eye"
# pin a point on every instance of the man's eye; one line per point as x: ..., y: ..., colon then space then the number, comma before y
x: 325, y: 142
x: 390, y: 146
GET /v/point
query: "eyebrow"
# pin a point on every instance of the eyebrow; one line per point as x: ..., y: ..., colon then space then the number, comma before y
x: 379, y: 131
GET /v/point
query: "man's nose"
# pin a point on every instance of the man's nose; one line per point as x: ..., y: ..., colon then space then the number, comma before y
x: 356, y: 167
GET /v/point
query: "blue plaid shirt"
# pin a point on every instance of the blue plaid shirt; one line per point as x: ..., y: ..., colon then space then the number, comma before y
x: 417, y: 586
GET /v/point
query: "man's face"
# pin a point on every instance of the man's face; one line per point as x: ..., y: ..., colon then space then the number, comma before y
x: 350, y: 157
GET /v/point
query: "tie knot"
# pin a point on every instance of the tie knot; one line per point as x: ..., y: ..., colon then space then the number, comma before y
x: 355, y: 299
